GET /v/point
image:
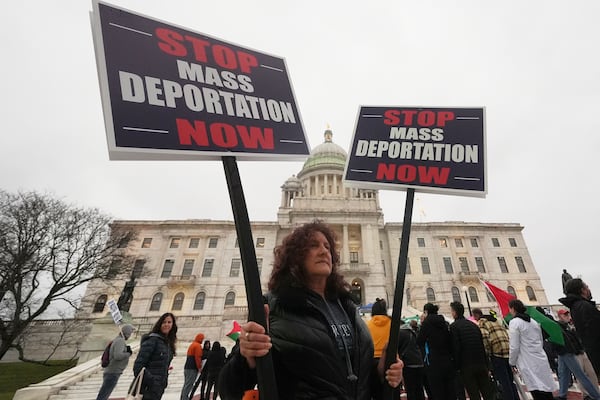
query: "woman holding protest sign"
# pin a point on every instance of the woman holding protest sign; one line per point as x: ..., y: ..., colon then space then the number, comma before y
x: 321, y: 348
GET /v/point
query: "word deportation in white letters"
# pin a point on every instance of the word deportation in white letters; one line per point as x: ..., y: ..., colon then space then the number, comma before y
x: 168, y: 93
x: 407, y: 144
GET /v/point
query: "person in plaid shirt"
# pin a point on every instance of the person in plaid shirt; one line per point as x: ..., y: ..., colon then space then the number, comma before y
x: 496, y: 343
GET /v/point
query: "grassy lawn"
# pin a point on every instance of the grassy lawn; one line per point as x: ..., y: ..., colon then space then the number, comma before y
x: 16, y: 375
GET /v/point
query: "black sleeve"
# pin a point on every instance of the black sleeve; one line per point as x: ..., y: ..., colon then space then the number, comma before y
x: 236, y: 377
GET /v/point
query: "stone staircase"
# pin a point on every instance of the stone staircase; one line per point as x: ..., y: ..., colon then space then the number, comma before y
x: 83, y: 381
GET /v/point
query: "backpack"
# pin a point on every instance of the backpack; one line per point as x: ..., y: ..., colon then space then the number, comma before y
x: 105, y: 359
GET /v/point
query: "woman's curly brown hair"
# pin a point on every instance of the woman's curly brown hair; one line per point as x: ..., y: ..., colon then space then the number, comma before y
x: 288, y: 267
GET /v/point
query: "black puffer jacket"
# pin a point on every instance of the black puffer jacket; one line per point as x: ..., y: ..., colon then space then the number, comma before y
x: 435, y: 336
x: 306, y: 359
x: 586, y: 318
x: 156, y: 355
x: 467, y: 343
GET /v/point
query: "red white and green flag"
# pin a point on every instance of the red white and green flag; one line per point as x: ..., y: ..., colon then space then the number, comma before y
x: 235, y: 332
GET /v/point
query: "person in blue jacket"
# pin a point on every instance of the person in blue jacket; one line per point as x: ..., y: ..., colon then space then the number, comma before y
x: 156, y: 352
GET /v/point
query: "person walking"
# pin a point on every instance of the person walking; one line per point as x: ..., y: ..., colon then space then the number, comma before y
x: 214, y: 363
x: 119, y: 354
x: 320, y: 346
x: 497, y: 347
x: 568, y: 362
x: 526, y: 352
x: 436, y: 346
x: 586, y: 318
x: 469, y: 355
x: 156, y: 353
x: 193, y: 365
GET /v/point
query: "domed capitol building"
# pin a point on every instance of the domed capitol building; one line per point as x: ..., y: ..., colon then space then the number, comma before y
x: 193, y: 269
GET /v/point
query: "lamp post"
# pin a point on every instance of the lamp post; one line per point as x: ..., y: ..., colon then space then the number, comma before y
x: 466, y: 290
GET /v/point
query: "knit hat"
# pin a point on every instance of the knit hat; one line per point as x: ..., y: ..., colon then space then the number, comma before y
x: 379, y: 307
x: 127, y: 330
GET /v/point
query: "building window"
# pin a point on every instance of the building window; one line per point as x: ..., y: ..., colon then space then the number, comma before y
x: 260, y: 242
x: 512, y: 242
x: 443, y: 242
x: 237, y: 243
x: 235, y: 268
x: 194, y: 243
x: 188, y: 267
x: 474, y: 242
x: 495, y: 242
x: 259, y: 262
x: 430, y: 295
x: 229, y: 299
x: 100, y: 303
x: 520, y: 264
x: 458, y: 242
x: 455, y: 294
x: 138, y: 268
x: 167, y: 269
x: 473, y: 294
x: 354, y: 257
x: 381, y: 244
x: 511, y: 290
x: 425, y: 265
x: 212, y: 242
x: 178, y: 302
x: 490, y: 298
x: 502, y: 263
x: 407, y: 265
x: 199, y: 301
x: 208, y: 267
x: 146, y: 243
x: 448, y: 265
x: 479, y: 264
x: 421, y: 242
x: 174, y: 243
x: 464, y: 264
x: 156, y: 302
x: 530, y: 293
x: 408, y: 296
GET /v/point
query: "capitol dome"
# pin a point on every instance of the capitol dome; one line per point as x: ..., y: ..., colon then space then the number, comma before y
x: 325, y: 155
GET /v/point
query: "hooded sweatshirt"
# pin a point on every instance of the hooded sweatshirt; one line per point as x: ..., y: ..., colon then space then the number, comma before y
x: 379, y: 326
x: 193, y: 359
x: 118, y: 354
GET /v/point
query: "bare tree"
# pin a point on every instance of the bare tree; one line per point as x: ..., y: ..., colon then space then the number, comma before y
x: 48, y: 249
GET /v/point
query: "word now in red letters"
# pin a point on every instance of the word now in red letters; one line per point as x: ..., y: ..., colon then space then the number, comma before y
x: 410, y: 173
x: 223, y: 135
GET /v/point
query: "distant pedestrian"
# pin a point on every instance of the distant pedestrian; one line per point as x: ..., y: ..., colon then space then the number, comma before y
x: 527, y: 353
x: 214, y: 363
x: 193, y: 365
x: 119, y: 354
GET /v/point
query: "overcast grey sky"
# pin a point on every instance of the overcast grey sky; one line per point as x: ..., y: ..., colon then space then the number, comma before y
x: 534, y: 65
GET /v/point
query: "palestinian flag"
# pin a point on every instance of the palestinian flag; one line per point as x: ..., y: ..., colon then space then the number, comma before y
x: 235, y: 332
x: 502, y: 297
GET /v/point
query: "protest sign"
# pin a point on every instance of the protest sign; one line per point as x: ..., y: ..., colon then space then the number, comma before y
x: 431, y: 149
x: 169, y: 93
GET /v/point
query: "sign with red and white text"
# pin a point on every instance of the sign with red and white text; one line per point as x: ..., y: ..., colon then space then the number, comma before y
x: 429, y: 149
x: 169, y: 93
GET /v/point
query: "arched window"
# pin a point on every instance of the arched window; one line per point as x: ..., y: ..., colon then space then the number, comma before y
x: 229, y: 299
x: 455, y: 294
x: 473, y: 294
x: 511, y: 290
x: 530, y: 293
x: 178, y: 301
x: 156, y: 302
x: 199, y: 301
x: 430, y: 295
x: 489, y: 296
x: 100, y: 303
x: 356, y: 290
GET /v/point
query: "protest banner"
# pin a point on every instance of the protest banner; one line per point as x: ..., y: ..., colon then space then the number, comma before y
x: 169, y: 93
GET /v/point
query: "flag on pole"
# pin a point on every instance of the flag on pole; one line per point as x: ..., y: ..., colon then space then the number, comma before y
x: 502, y: 297
x: 548, y: 325
x: 235, y: 332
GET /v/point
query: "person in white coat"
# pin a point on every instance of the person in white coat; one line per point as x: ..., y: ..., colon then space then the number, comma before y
x: 527, y: 353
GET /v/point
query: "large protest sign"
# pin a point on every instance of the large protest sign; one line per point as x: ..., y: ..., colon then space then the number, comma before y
x: 173, y: 94
x: 436, y: 150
